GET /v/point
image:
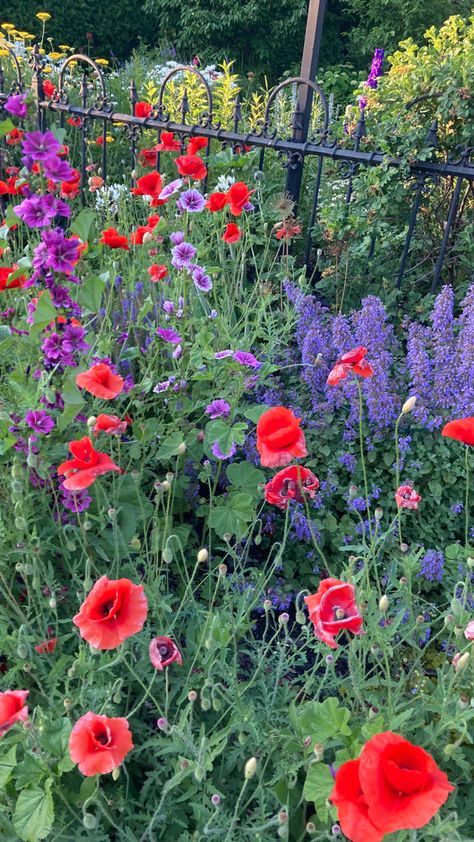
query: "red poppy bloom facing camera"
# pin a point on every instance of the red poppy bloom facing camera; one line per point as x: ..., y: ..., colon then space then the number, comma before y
x: 291, y: 483
x: 333, y: 609
x: 100, y: 381
x: 114, y: 610
x: 98, y: 744
x: 279, y: 437
x: 86, y: 466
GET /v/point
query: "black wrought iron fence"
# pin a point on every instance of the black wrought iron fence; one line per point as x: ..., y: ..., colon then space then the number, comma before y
x: 298, y: 145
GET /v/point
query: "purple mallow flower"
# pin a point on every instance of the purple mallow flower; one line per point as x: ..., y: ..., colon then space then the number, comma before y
x: 221, y: 355
x: 191, y: 201
x: 177, y: 237
x: 39, y: 211
x: 217, y: 452
x: 170, y: 190
x: 182, y: 255
x: 56, y: 252
x: 16, y: 105
x: 218, y: 409
x: 247, y: 359
x: 75, y: 501
x: 39, y: 146
x: 39, y: 421
x: 56, y: 169
x: 201, y: 281
x: 169, y: 335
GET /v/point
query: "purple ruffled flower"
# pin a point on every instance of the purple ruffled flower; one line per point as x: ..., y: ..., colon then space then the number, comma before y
x: 39, y: 421
x: 170, y: 189
x: 169, y: 335
x: 56, y: 169
x: 221, y: 355
x: 247, y: 359
x: 39, y: 211
x: 217, y: 452
x: 75, y: 501
x: 177, y: 237
x: 182, y: 255
x: 191, y: 201
x: 218, y: 409
x: 201, y: 281
x: 39, y: 145
x: 162, y: 387
x: 16, y: 105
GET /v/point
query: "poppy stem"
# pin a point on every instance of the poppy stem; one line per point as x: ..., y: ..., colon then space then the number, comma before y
x: 362, y: 458
x: 397, y: 477
x: 466, y: 528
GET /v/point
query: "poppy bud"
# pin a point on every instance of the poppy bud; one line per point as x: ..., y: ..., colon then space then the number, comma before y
x: 222, y: 569
x: 22, y: 651
x: 457, y: 631
x: 250, y: 768
x: 20, y: 523
x: 87, y: 525
x: 167, y: 555
x: 300, y: 618
x: 470, y: 562
x: 403, y: 580
x: 257, y: 540
x: 112, y: 513
x: 267, y: 604
x: 283, y: 618
x: 89, y: 820
x: 199, y: 775
x: 409, y: 405
x: 116, y: 773
x: 181, y: 449
x: 200, y: 435
x: 52, y: 603
x: 135, y: 543
x: 215, y: 799
x: 227, y: 537
x: 92, y: 421
x: 147, y: 237
x: 202, y: 555
x: 463, y: 702
x: 170, y: 476
x: 165, y: 485
x: 378, y: 514
x: 205, y: 704
x: 404, y: 547
x: 353, y: 490
x: 373, y: 711
x: 134, y: 174
x: 383, y: 603
x: 420, y: 618
x: 307, y: 742
x: 449, y: 749
x: 184, y: 765
x: 318, y: 751
x: 310, y: 828
x: 461, y: 662
x: 192, y: 695
x: 162, y: 723
x: 17, y: 487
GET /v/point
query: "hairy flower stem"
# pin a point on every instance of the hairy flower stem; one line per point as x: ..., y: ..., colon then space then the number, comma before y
x: 466, y: 505
x: 397, y: 477
x: 229, y: 837
x: 362, y: 458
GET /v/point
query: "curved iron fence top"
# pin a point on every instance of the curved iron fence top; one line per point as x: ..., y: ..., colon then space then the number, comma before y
x: 5, y: 46
x: 184, y: 68
x: 80, y: 57
x: 300, y: 80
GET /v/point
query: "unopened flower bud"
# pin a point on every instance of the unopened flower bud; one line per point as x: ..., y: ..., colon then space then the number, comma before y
x: 162, y: 723
x: 310, y: 828
x: 147, y: 237
x: 116, y: 773
x: 227, y: 537
x: 20, y: 523
x: 383, y: 603
x: 165, y: 486
x: 463, y: 702
x: 167, y: 555
x: 67, y: 703
x: 403, y: 580
x: 409, y: 405
x: 250, y: 768
x: 135, y: 543
x: 373, y: 711
x: 461, y: 662
x: 318, y: 751
x: 181, y: 449
x: 134, y: 174
x: 420, y: 618
x: 87, y: 525
x: 257, y: 540
x: 283, y: 618
x: 92, y: 421
x: 307, y: 742
x: 200, y: 436
x: 267, y: 604
x: 222, y: 569
x: 378, y: 514
x: 205, y: 704
x: 192, y: 695
x: 112, y: 513
x: 184, y: 765
x: 52, y: 603
x: 449, y: 749
x: 89, y: 821
x: 170, y: 476
x: 404, y: 547
x: 300, y: 618
x: 282, y: 817
x: 22, y: 651
x: 215, y: 799
x: 202, y: 555
x: 470, y: 562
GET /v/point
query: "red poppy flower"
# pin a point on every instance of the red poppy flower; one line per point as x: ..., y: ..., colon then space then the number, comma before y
x: 216, y: 201
x: 332, y: 609
x: 191, y: 166
x: 195, y: 144
x: 46, y: 646
x: 157, y: 271
x: 461, y: 430
x: 143, y: 109
x: 100, y: 381
x: 352, y: 808
x: 12, y: 187
x: 163, y: 652
x: 291, y: 484
x: 150, y: 185
x: 147, y: 157
x: 87, y: 465
x: 95, y: 182
x: 287, y: 230
x: 407, y: 497
x: 168, y: 143
x: 279, y: 437
x: 232, y: 233
x: 74, y: 121
x: 70, y: 189
x: 15, y: 283
x: 153, y: 220
x: 48, y: 88
x: 400, y: 782
x: 14, y: 137
x: 136, y: 237
x: 12, y: 709
x: 98, y: 744
x: 111, y: 237
x: 354, y: 361
x: 110, y: 424
x: 114, y: 610
x: 237, y: 196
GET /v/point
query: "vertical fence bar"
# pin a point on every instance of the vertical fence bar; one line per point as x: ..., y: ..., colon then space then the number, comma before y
x: 447, y: 231
x: 309, y: 66
x: 37, y: 84
x: 133, y: 145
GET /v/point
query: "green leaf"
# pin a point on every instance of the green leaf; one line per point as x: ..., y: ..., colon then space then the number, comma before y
x: 82, y: 225
x: 73, y: 401
x: 28, y: 772
x: 44, y: 314
x: 245, y: 476
x: 55, y: 738
x: 7, y: 764
x: 233, y: 515
x: 89, y: 294
x: 169, y: 446
x: 321, y: 720
x: 34, y: 813
x: 6, y: 127
x: 317, y: 788
x: 10, y: 219
x: 88, y: 787
x: 253, y: 413
x: 372, y: 727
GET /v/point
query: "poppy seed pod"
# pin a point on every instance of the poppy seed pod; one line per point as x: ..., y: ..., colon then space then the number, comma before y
x: 409, y: 405
x: 250, y: 768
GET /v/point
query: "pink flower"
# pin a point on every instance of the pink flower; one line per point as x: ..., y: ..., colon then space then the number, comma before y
x: 469, y: 631
x: 407, y: 497
x: 163, y: 652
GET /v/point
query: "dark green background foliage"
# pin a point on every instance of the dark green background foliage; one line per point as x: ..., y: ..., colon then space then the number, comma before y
x: 117, y: 26
x: 262, y: 35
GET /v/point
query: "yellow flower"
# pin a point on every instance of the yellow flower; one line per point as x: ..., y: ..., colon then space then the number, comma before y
x: 4, y: 53
x: 72, y: 63
x: 101, y: 61
x: 65, y: 47
x: 27, y: 36
x: 54, y: 56
x: 43, y: 16
x: 47, y: 69
x: 7, y: 26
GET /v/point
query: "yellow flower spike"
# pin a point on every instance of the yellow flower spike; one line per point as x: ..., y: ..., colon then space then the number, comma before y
x: 101, y: 61
x: 43, y: 16
x: 109, y: 138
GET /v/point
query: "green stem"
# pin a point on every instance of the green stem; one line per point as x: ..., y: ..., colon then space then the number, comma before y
x: 362, y: 457
x: 466, y: 528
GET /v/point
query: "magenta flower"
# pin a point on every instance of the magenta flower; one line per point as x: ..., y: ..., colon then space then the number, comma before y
x: 16, y: 105
x: 218, y: 409
x: 170, y: 190
x: 40, y: 146
x: 57, y: 169
x: 217, y: 452
x: 56, y: 252
x: 201, y: 281
x: 169, y: 335
x: 177, y: 237
x: 182, y: 255
x: 39, y: 211
x: 39, y: 421
x: 247, y: 359
x: 163, y: 652
x: 162, y: 387
x: 191, y: 201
